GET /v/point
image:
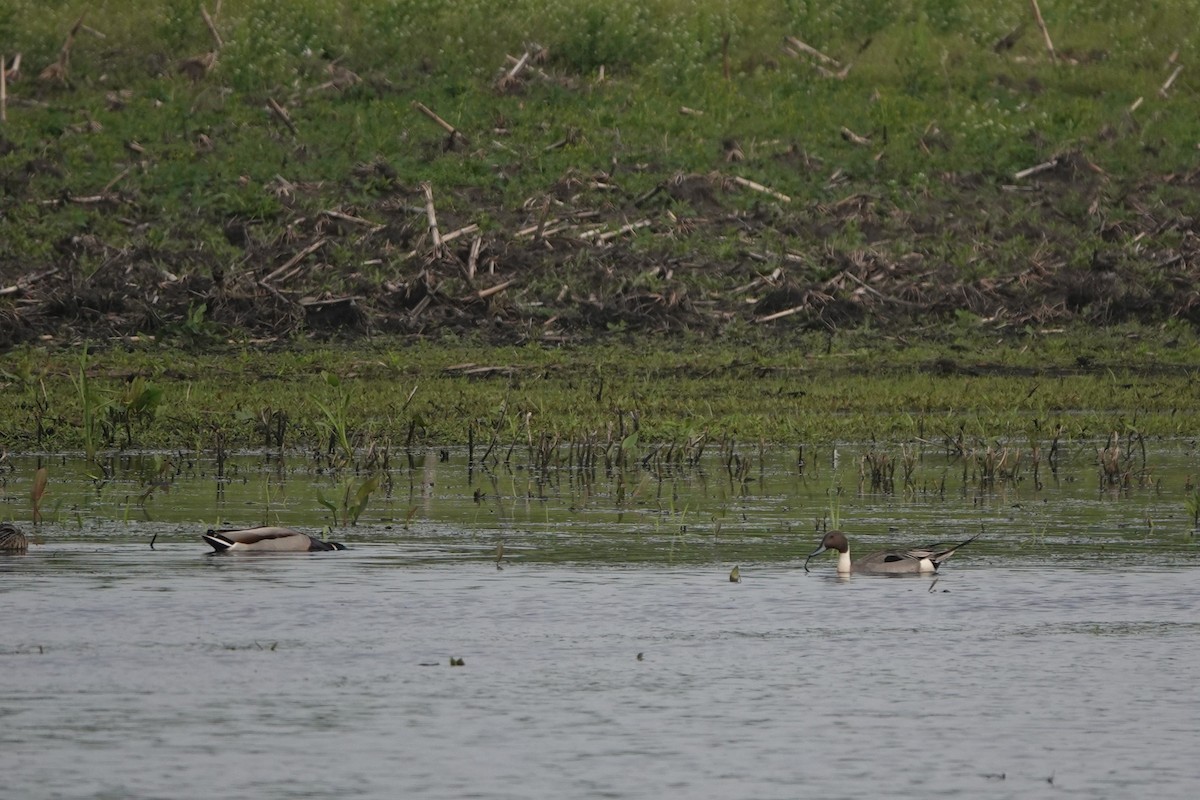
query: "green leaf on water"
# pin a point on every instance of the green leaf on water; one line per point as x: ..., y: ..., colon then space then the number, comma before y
x: 361, y: 497
x: 332, y: 508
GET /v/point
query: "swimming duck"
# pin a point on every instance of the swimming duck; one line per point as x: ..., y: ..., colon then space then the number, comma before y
x: 12, y: 539
x: 920, y: 561
x: 266, y: 540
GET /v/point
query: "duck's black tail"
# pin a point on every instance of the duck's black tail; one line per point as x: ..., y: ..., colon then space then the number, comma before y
x: 219, y: 542
x: 938, y: 556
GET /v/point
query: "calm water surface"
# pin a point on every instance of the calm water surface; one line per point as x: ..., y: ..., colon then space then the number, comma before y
x: 132, y: 673
x: 1055, y: 656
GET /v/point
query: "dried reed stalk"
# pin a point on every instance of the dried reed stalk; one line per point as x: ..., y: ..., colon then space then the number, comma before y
x: 483, y: 294
x: 212, y: 27
x: 431, y: 216
x: 1043, y: 167
x: 796, y: 44
x: 854, y: 138
x: 758, y: 187
x: 510, y: 77
x: 473, y: 258
x: 452, y: 235
x: 281, y: 112
x: 61, y: 68
x: 446, y: 126
x: 1037, y: 14
x: 1162, y: 92
x: 294, y: 260
x: 37, y: 492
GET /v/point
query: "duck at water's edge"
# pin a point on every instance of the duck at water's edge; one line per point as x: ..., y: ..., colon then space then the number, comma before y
x: 266, y: 540
x: 12, y: 539
x: 920, y: 561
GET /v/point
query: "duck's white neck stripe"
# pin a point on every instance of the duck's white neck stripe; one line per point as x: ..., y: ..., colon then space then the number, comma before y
x: 843, y: 566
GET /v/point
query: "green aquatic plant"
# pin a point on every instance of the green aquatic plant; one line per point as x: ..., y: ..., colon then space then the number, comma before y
x: 92, y: 404
x: 835, y: 510
x: 33, y: 383
x: 138, y: 403
x: 353, y: 500
x: 337, y: 414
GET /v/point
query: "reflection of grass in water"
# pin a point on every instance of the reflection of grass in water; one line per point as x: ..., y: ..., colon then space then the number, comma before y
x: 677, y: 520
x: 1067, y: 522
x: 1192, y: 503
x: 37, y: 492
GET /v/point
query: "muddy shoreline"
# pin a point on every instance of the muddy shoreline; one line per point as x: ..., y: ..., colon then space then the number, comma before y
x: 588, y: 258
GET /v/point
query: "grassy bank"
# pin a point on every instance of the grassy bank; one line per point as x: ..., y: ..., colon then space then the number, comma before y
x: 784, y: 221
x: 655, y: 167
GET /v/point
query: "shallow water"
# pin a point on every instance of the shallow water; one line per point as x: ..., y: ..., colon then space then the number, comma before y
x: 1052, y: 656
x: 139, y: 674
x: 435, y: 506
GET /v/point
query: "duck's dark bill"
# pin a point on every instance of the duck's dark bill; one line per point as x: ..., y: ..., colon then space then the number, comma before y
x: 816, y: 552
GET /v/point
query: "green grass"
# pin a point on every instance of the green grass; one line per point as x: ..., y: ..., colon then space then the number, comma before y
x: 856, y: 387
x: 915, y: 65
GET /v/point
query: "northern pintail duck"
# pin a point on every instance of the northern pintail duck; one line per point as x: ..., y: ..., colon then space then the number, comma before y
x: 12, y: 539
x: 919, y: 561
x: 266, y: 540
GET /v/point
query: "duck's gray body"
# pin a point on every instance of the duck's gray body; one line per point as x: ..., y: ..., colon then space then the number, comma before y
x: 918, y: 561
x: 266, y: 540
x: 12, y: 539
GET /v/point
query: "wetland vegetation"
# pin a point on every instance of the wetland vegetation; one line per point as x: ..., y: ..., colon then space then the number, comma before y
x: 559, y: 312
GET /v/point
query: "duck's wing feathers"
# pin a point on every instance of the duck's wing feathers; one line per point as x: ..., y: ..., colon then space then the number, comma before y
x: 12, y: 539
x: 934, y: 553
x: 937, y: 553
x: 267, y: 539
x: 907, y: 562
x: 917, y: 560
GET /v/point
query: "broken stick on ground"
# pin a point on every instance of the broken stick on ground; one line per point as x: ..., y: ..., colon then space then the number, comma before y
x: 1037, y: 14
x: 455, y: 133
x: 431, y: 215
